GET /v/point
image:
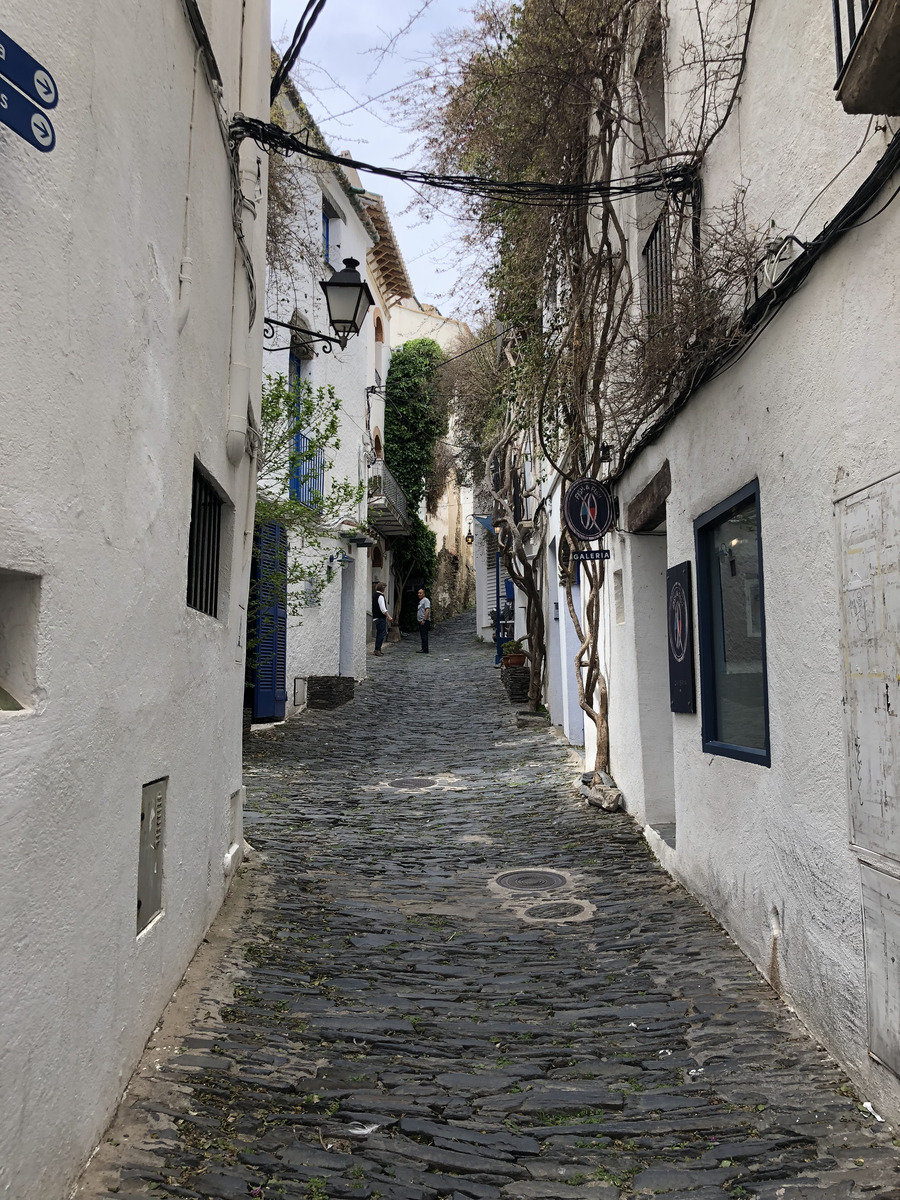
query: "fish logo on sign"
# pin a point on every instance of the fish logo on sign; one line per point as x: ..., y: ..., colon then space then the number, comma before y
x: 32, y: 86
x: 678, y: 624
x: 589, y: 513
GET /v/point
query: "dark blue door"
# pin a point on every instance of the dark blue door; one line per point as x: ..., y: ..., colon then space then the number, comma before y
x: 270, y: 589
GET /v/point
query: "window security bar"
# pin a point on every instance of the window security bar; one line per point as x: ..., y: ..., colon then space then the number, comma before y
x: 658, y: 271
x: 849, y: 20
x: 203, y: 547
x: 308, y: 479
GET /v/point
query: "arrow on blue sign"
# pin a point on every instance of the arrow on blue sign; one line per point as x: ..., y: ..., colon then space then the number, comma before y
x: 26, y: 73
x: 26, y: 119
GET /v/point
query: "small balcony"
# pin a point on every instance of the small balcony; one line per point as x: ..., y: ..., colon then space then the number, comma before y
x: 867, y: 50
x: 387, y: 502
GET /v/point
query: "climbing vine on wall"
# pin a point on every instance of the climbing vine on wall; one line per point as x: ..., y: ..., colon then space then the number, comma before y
x: 576, y: 91
x: 415, y: 415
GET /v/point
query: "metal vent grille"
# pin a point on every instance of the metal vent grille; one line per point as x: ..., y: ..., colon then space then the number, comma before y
x: 150, y: 867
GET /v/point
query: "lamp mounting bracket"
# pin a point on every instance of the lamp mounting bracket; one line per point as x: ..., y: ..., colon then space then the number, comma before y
x: 270, y: 325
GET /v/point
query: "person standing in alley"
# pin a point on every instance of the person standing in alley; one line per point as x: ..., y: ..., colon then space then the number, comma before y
x: 382, y: 619
x: 423, y: 616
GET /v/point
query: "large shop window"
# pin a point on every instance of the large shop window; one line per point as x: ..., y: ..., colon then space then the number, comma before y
x: 732, y: 633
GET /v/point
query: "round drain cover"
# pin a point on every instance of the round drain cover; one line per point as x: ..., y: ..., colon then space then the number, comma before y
x: 554, y: 912
x: 420, y: 782
x: 531, y: 881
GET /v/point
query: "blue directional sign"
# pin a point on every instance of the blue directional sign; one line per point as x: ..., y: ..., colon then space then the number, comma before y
x: 26, y: 73
x: 26, y: 119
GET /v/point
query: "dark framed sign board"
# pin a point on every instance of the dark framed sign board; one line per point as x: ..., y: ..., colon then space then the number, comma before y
x: 587, y: 509
x: 680, y: 630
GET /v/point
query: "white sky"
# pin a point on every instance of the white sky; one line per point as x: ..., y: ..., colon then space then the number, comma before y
x: 340, y: 78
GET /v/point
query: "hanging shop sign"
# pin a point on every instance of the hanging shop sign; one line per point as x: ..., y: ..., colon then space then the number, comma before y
x: 680, y: 628
x: 600, y: 555
x: 22, y: 110
x: 587, y: 509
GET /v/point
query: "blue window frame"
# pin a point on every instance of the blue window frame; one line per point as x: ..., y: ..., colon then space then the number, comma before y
x: 308, y: 474
x: 734, y: 697
x: 308, y: 467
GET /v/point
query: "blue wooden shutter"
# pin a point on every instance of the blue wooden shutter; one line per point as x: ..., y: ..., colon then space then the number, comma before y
x: 270, y: 566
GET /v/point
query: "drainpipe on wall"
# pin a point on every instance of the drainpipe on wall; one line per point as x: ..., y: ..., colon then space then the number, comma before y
x: 253, y: 93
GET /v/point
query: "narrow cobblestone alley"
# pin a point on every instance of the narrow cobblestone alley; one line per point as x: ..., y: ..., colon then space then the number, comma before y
x: 455, y: 979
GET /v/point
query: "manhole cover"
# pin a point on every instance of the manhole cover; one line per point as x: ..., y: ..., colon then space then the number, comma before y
x: 412, y: 782
x: 529, y: 881
x: 554, y: 912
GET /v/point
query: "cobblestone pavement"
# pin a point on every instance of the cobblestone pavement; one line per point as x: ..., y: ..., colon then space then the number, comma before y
x: 455, y: 979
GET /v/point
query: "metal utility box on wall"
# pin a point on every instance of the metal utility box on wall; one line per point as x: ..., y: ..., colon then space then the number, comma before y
x: 150, y: 867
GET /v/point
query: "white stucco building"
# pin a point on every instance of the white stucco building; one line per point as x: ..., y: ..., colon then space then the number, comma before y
x: 753, y: 586
x: 774, y: 494
x: 334, y: 219
x: 130, y: 363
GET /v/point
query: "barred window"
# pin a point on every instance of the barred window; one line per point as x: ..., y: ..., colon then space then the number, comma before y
x: 658, y: 273
x: 204, y: 542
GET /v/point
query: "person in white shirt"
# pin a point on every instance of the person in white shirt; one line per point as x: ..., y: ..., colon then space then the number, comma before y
x: 382, y: 618
x: 423, y: 615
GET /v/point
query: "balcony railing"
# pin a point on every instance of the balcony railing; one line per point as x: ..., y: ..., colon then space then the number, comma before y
x: 387, y: 501
x: 849, y: 18
x: 867, y: 55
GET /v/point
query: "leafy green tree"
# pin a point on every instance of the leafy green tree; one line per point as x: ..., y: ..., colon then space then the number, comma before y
x: 415, y: 419
x: 415, y: 415
x: 298, y: 438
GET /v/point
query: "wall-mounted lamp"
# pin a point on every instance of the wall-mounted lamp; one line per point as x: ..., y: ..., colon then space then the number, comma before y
x: 470, y: 536
x: 348, y: 298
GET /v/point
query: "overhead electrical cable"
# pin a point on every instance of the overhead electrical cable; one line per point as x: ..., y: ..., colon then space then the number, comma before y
x: 477, y: 346
x: 301, y: 33
x: 513, y: 191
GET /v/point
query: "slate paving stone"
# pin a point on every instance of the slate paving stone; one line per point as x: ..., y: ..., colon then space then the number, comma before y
x: 394, y: 1027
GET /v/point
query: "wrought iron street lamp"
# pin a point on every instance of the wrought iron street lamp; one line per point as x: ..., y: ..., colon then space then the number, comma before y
x: 348, y: 298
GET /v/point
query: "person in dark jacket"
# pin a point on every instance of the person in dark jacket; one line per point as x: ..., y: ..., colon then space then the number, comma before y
x: 382, y: 619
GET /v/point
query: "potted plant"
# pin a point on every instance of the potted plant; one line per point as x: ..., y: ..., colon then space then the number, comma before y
x: 512, y: 653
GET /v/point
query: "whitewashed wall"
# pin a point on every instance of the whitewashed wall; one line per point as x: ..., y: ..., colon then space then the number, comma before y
x: 811, y: 412
x: 562, y: 642
x: 112, y: 385
x: 325, y: 639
